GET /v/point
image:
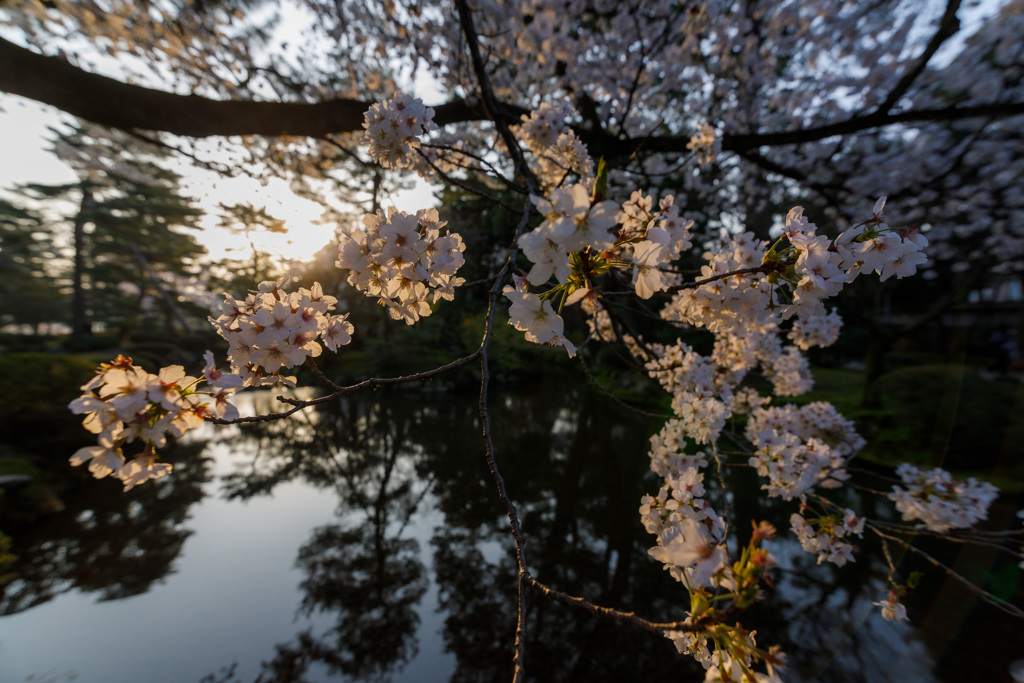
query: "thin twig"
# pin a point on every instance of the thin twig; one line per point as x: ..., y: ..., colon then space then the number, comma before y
x: 725, y: 490
x: 618, y: 615
x: 319, y: 374
x: 613, y: 397
x: 468, y: 188
x: 764, y: 268
x: 373, y: 382
x: 991, y: 599
x: 489, y: 453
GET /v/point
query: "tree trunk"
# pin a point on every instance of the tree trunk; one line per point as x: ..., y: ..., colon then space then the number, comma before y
x: 81, y: 326
x: 757, y: 201
x: 874, y: 367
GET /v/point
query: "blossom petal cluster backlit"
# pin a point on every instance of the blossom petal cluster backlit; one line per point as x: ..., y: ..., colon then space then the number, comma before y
x: 125, y: 406
x: 404, y: 261
x: 272, y: 330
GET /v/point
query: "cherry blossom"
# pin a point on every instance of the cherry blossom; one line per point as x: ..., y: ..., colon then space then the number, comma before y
x: 940, y: 501
x: 123, y: 404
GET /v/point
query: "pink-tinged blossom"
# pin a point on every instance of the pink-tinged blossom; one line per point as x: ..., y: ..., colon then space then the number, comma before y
x: 892, y: 609
x: 338, y: 332
x: 647, y: 276
x: 689, y: 546
x: 167, y: 388
x: 879, y: 206
x: 104, y: 458
x: 939, y: 501
x: 404, y: 260
x: 537, y: 319
x: 393, y: 129
x: 218, y: 378
x: 547, y: 255
x: 142, y: 469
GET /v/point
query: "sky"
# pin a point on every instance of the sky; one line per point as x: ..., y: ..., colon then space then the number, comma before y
x: 24, y: 139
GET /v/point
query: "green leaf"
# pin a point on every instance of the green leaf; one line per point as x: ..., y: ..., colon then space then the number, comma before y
x: 601, y: 184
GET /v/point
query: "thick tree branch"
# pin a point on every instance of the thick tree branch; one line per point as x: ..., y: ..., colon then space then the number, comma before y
x: 948, y: 26
x: 109, y: 102
x: 856, y: 124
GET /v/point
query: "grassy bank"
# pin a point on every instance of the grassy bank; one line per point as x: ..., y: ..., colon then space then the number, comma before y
x: 938, y: 415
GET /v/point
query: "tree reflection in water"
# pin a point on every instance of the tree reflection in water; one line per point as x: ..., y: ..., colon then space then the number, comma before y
x: 106, y: 541
x: 576, y: 469
x: 360, y: 568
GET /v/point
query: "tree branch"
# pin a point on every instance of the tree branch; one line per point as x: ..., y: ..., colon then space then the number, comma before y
x: 109, y: 102
x: 948, y: 26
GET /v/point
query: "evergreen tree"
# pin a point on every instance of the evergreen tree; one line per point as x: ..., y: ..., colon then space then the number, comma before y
x: 128, y: 246
x: 28, y: 281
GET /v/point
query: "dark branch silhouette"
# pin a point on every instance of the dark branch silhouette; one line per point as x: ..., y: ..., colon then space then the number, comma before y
x: 110, y: 102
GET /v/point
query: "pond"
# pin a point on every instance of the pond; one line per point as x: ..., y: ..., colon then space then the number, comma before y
x: 366, y: 541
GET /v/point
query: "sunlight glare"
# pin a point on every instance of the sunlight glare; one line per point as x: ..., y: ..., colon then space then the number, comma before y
x: 305, y: 234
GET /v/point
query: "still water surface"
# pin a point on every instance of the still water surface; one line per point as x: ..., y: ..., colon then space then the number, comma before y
x: 366, y: 542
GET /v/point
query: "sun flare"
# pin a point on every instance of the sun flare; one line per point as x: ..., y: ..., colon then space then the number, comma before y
x: 305, y: 233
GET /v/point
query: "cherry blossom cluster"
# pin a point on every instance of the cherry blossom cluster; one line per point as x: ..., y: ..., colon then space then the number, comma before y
x: 272, y: 330
x: 807, y: 269
x: 730, y: 303
x: 787, y: 369
x: 704, y: 389
x: 572, y: 223
x: 555, y: 148
x: 543, y: 126
x: 796, y: 449
x: 691, y: 546
x: 403, y: 260
x: 792, y: 466
x: 939, y: 501
x: 651, y: 239
x: 800, y: 448
x: 124, y: 404
x: 577, y: 241
x: 828, y: 540
x: 705, y: 144
x: 700, y: 400
x: 668, y: 452
x: 738, y: 586
x: 818, y: 420
x: 817, y: 330
x: 393, y: 130
x: 818, y: 267
x: 690, y: 534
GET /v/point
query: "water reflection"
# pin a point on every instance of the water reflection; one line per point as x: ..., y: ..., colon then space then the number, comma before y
x: 389, y: 457
x: 363, y: 568
x: 104, y: 540
x: 374, y: 575
x: 576, y: 469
